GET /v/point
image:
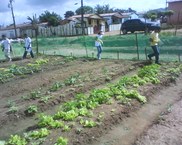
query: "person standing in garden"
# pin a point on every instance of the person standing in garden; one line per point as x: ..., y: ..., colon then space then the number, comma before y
x: 98, y: 44
x: 6, y: 47
x: 154, y: 43
x: 27, y: 46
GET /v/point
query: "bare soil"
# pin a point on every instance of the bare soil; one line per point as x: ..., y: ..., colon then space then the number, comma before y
x: 120, y: 121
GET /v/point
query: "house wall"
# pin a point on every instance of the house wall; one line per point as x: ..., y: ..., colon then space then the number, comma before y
x: 114, y: 27
x: 176, y: 18
x: 9, y: 33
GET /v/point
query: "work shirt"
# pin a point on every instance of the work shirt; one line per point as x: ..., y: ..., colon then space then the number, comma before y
x: 98, y: 41
x: 28, y: 44
x: 6, y: 44
x: 155, y: 38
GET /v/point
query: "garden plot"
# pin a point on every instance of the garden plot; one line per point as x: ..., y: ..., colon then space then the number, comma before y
x: 75, y: 101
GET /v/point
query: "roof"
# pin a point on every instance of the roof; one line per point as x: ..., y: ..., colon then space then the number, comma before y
x: 22, y: 26
x: 94, y: 16
x: 172, y: 1
x: 112, y: 14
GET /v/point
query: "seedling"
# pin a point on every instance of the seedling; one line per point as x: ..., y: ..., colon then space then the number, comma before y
x: 31, y: 110
x: 61, y: 141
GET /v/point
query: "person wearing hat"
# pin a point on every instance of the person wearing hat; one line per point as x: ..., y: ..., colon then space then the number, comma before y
x: 154, y: 42
x: 6, y: 47
x: 27, y: 46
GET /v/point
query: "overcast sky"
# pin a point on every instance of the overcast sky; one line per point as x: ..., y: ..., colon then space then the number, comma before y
x: 24, y: 8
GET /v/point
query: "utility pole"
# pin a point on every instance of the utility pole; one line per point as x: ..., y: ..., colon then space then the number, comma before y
x: 166, y: 5
x: 10, y: 5
x: 82, y: 19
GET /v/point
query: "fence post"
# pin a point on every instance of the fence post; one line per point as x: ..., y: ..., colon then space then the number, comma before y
x: 179, y: 57
x: 118, y: 54
x: 146, y: 53
x: 92, y: 55
x: 136, y: 36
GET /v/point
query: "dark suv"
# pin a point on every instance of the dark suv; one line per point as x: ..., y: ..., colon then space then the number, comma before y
x: 137, y: 25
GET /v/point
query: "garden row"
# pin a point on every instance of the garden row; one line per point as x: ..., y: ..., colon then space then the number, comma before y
x: 78, y: 113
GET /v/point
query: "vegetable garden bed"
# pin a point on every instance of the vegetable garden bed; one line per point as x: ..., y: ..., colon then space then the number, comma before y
x: 74, y: 101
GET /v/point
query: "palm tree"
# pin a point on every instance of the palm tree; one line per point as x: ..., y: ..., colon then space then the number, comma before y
x: 34, y: 21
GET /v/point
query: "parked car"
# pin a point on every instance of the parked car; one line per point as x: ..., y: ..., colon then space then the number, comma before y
x: 133, y: 25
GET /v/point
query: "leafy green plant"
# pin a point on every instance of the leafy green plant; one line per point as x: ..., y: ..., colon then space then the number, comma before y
x: 43, y: 132
x: 56, y: 86
x: 48, y: 121
x: 13, y: 109
x: 72, y: 80
x: 16, y: 140
x: 32, y: 110
x: 11, y: 103
x: 136, y: 95
x: 35, y: 94
x: 100, y: 116
x: 61, y: 141
x: 45, y: 99
x: 88, y: 123
x: 41, y: 61
x: 66, y: 128
x: 70, y: 115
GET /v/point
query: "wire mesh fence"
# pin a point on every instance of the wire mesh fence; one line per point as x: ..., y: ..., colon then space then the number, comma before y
x: 131, y: 46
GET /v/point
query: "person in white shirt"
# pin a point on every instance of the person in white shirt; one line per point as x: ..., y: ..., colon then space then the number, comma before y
x: 6, y: 47
x: 98, y: 44
x: 28, y: 46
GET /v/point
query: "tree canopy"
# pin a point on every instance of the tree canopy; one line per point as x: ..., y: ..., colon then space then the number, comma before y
x: 68, y: 14
x: 86, y: 10
x: 53, y: 19
x: 103, y: 9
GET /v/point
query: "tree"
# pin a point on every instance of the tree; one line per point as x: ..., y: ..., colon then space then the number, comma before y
x: 68, y: 14
x: 153, y: 17
x: 53, y: 19
x: 86, y: 10
x: 130, y: 10
x: 120, y: 10
x: 34, y: 21
x: 103, y: 9
x: 169, y: 14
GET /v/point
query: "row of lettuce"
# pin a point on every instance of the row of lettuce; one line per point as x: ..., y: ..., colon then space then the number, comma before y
x: 15, y: 70
x: 80, y: 110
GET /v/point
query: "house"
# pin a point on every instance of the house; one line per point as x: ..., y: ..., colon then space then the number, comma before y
x: 176, y: 6
x: 112, y: 19
x: 90, y: 20
x: 20, y: 29
x: 129, y: 15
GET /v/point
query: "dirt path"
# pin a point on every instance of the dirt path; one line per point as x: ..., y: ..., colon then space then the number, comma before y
x: 132, y: 127
x: 167, y: 131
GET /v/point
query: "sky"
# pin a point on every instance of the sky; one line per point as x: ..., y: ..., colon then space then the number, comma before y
x: 24, y: 8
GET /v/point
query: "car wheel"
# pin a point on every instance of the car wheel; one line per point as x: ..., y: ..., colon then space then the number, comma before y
x: 124, y: 31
